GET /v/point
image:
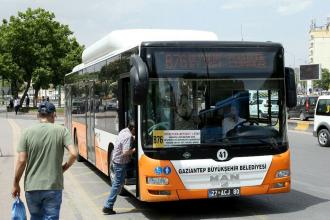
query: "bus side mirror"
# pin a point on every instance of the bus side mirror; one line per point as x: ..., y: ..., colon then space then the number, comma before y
x: 290, y: 88
x: 139, y: 80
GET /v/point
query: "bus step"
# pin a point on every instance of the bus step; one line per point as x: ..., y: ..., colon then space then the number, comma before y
x: 130, y: 181
x: 131, y: 189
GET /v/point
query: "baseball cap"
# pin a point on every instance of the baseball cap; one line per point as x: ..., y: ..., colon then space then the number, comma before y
x: 46, y: 107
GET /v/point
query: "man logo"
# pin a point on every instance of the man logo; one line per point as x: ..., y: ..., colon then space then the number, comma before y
x: 224, y: 180
x: 222, y: 154
x: 186, y: 155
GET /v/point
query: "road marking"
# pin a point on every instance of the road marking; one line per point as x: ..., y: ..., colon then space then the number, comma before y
x: 16, y: 132
x: 302, y: 126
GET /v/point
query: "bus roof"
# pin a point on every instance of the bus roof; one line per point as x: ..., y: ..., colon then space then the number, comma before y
x: 203, y: 44
x: 122, y: 40
x: 129, y: 38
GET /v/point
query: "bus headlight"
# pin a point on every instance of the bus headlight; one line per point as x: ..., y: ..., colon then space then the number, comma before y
x: 157, y: 180
x: 282, y: 173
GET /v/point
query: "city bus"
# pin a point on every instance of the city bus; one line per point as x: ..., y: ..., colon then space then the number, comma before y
x: 189, y: 95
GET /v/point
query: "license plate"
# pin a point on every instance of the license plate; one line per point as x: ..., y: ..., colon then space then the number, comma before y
x: 225, y: 192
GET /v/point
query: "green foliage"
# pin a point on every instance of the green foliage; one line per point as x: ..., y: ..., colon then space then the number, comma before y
x: 324, y: 83
x: 34, y: 46
x: 41, y: 75
x: 8, y: 68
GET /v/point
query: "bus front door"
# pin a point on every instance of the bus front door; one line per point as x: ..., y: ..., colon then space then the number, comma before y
x: 127, y: 115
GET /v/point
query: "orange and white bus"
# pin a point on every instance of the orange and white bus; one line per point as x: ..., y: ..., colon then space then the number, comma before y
x: 192, y: 98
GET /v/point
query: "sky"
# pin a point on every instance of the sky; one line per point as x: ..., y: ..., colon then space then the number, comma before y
x: 283, y: 21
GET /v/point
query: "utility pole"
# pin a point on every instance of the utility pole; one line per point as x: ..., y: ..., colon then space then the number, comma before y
x: 3, y: 90
x: 59, y: 95
x: 242, y: 32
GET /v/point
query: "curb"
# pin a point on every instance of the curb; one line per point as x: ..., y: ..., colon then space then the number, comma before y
x: 301, y: 126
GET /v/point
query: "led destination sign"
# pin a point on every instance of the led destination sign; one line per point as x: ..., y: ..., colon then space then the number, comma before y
x: 171, y: 62
x: 190, y: 60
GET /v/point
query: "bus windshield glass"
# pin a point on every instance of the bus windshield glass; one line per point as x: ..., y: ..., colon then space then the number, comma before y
x: 187, y: 112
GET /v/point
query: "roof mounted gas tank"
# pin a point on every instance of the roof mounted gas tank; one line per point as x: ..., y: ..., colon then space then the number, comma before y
x: 125, y: 39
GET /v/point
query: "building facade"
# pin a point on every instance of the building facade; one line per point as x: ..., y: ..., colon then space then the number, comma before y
x: 319, y: 44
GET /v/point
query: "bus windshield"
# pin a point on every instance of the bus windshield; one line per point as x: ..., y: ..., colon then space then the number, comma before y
x: 195, y: 112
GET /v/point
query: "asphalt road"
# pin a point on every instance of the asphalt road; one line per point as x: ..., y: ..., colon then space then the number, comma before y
x: 86, y: 189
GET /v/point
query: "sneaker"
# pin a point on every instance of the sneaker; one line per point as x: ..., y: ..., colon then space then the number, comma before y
x: 108, y: 211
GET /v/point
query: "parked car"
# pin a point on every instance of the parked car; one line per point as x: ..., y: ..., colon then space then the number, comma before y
x: 112, y: 104
x: 263, y: 107
x: 322, y: 121
x: 304, y: 109
x: 78, y: 107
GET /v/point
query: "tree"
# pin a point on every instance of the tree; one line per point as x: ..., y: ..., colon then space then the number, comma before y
x: 324, y: 83
x: 39, y: 50
x: 11, y: 72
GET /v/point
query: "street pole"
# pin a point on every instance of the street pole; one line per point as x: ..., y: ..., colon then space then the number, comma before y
x: 2, y: 90
x: 309, y: 87
x: 59, y: 96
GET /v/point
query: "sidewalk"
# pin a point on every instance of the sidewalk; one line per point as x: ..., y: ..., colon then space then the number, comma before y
x: 77, y: 203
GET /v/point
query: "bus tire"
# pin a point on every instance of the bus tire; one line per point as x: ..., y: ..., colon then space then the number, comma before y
x: 79, y: 158
x: 323, y: 137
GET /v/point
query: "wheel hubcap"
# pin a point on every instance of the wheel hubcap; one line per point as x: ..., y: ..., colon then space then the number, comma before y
x: 323, y: 138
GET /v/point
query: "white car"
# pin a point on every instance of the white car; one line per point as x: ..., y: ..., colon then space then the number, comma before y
x: 263, y: 107
x: 322, y: 121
